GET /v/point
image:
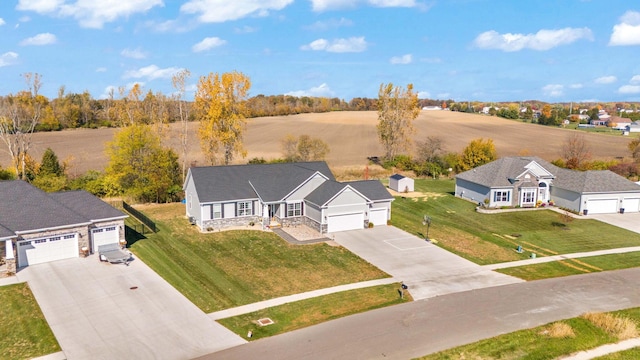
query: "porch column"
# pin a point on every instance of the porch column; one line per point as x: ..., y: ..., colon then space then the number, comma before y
x: 8, y: 245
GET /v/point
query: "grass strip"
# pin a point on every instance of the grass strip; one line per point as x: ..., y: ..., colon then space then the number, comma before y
x: 303, y: 313
x: 24, y: 333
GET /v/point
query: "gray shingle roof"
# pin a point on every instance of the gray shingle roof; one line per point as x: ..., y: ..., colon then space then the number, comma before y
x: 270, y: 182
x: 88, y: 205
x: 372, y: 189
x: 24, y: 207
x: 498, y: 173
x: 325, y: 192
x: 6, y: 233
x: 396, y: 177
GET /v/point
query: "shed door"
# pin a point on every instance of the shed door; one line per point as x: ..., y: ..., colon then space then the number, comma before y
x: 378, y: 216
x: 602, y: 206
x: 631, y: 204
x: 104, y: 236
x: 345, y: 222
x: 38, y: 251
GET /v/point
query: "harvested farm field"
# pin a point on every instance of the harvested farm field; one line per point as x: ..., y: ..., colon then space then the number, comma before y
x: 351, y: 136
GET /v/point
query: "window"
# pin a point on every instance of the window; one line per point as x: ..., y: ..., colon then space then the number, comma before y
x: 55, y: 238
x: 244, y: 208
x: 501, y: 196
x: 529, y: 197
x: 69, y: 236
x: 40, y: 241
x: 97, y: 230
x: 111, y: 228
x: 294, y: 209
x: 216, y: 212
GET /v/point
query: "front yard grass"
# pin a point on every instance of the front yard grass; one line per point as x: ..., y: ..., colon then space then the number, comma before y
x: 24, y: 333
x: 546, y: 342
x: 493, y: 238
x: 225, y: 269
x: 299, y: 314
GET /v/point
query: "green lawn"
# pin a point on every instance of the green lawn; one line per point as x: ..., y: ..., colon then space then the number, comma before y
x: 24, y: 333
x: 296, y: 315
x: 226, y: 269
x: 492, y: 238
x: 540, y: 343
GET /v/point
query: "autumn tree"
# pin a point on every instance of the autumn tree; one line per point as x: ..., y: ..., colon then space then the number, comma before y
x: 478, y: 152
x: 575, y: 151
x: 397, y: 108
x: 220, y: 106
x: 634, y: 147
x: 303, y: 148
x: 178, y: 81
x: 140, y: 167
x: 19, y: 116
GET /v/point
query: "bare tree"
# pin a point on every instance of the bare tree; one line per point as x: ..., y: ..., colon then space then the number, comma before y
x: 430, y: 149
x: 19, y: 116
x: 575, y: 151
x: 179, y: 80
x: 397, y: 108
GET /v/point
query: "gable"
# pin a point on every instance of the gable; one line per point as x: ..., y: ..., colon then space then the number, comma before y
x: 348, y: 196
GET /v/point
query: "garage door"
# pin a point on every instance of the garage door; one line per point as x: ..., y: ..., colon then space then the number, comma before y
x: 602, y: 206
x: 631, y: 204
x: 345, y: 222
x: 378, y: 216
x: 38, y: 251
x: 104, y: 236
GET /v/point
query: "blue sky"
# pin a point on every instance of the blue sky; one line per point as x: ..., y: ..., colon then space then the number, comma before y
x: 487, y: 50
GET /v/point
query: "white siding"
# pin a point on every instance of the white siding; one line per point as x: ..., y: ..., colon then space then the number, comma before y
x: 306, y: 189
x: 229, y: 210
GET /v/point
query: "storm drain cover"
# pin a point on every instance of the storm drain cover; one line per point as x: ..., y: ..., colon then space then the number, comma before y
x: 265, y: 322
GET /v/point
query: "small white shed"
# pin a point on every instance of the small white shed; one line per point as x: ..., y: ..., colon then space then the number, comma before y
x: 400, y: 183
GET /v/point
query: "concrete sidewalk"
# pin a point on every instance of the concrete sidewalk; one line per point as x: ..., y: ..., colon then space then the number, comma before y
x: 552, y: 258
x: 245, y: 309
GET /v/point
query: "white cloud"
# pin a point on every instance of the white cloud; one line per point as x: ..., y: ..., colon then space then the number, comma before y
x: 330, y: 24
x: 133, y: 53
x: 635, y: 79
x: 216, y: 11
x: 8, y: 58
x: 553, y: 90
x: 576, y: 86
x: 207, y: 44
x: 151, y: 72
x: 402, y: 60
x: 322, y: 90
x: 90, y: 14
x: 423, y: 95
x: 245, y: 30
x: 606, y: 79
x: 101, y: 69
x: 629, y: 89
x: 324, y: 5
x: 627, y: 32
x: 169, y: 26
x: 40, y: 39
x: 542, y: 40
x: 2, y: 22
x: 352, y: 44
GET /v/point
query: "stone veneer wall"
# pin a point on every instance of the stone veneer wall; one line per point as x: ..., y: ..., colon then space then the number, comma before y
x: 217, y: 224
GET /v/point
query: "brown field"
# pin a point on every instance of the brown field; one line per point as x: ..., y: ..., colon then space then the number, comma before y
x: 351, y: 137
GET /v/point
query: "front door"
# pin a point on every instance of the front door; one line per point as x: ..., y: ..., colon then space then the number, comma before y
x: 273, y: 210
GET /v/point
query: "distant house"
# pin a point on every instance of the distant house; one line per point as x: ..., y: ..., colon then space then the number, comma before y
x: 287, y: 194
x: 529, y: 181
x: 432, y: 108
x: 400, y: 183
x: 633, y: 127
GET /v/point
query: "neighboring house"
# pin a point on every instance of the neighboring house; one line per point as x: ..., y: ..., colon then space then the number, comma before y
x: 633, y: 127
x: 432, y: 108
x: 401, y: 183
x: 524, y: 181
x: 38, y: 227
x: 283, y: 194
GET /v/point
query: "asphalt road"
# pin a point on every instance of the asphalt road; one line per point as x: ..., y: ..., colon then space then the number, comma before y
x: 423, y: 327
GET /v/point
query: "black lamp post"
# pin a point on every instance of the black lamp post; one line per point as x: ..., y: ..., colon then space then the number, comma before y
x: 427, y: 221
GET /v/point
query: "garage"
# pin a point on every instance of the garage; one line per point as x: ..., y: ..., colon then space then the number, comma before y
x: 104, y: 236
x: 38, y: 251
x: 345, y: 222
x: 378, y: 216
x: 631, y: 204
x: 602, y: 206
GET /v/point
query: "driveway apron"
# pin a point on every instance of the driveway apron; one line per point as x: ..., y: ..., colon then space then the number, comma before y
x: 102, y: 311
x: 629, y: 221
x: 425, y: 268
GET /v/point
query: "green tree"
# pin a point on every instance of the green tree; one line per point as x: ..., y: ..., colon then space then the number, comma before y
x: 140, y: 167
x: 50, y: 166
x: 397, y: 108
x: 220, y: 106
x: 478, y: 152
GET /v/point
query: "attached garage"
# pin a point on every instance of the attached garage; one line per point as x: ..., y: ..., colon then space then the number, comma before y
x: 631, y: 204
x: 378, y: 216
x: 104, y: 236
x: 345, y: 222
x: 602, y: 206
x: 37, y: 251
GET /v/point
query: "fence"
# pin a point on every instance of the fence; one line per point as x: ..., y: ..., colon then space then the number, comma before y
x: 140, y: 216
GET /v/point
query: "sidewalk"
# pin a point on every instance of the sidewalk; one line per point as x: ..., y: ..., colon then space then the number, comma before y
x: 604, y: 350
x: 245, y: 309
x: 552, y: 258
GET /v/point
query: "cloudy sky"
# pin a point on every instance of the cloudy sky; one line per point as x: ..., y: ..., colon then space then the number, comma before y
x: 487, y: 50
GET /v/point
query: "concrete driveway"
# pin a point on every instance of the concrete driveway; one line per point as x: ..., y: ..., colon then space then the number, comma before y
x: 426, y: 269
x: 96, y: 312
x: 629, y: 221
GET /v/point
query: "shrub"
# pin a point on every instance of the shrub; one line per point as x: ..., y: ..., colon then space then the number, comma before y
x: 370, y: 225
x: 622, y: 328
x: 559, y: 330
